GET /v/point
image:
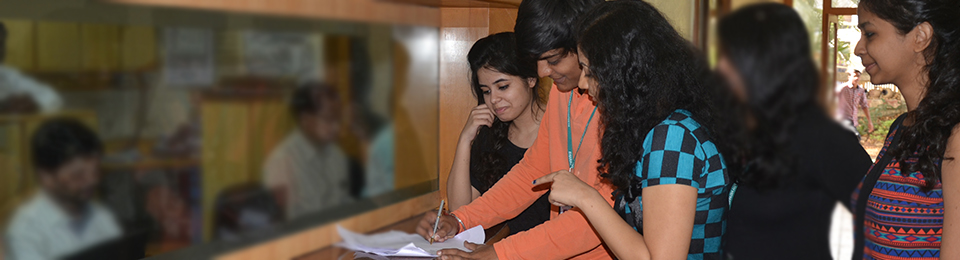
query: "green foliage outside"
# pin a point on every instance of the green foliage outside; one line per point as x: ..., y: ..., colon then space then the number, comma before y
x: 843, y: 53
x: 883, y: 116
x: 811, y: 11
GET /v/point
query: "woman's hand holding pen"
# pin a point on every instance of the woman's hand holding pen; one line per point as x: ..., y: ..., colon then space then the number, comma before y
x: 566, y: 189
x: 446, y: 229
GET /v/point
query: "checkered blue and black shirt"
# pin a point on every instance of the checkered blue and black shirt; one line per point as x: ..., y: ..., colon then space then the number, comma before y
x: 679, y: 151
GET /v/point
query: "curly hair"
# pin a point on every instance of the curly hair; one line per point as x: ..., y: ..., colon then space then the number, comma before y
x: 498, y: 52
x: 939, y: 110
x: 769, y: 46
x: 645, y: 71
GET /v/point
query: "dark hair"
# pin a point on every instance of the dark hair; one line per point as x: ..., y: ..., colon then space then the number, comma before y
x: 645, y: 71
x: 3, y: 42
x: 769, y: 46
x: 939, y: 110
x: 544, y: 25
x: 498, y: 52
x: 308, y: 97
x: 59, y: 140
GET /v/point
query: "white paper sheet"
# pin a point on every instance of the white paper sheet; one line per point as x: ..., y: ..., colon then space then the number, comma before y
x: 396, y: 243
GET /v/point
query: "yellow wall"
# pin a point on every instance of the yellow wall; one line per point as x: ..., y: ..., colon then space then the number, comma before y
x: 100, y: 47
x: 21, y: 42
x: 680, y: 13
x: 139, y: 48
x: 69, y: 47
x: 57, y: 46
x: 734, y: 4
x: 238, y: 135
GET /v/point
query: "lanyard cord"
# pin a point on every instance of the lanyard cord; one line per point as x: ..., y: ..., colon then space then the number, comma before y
x: 571, y: 156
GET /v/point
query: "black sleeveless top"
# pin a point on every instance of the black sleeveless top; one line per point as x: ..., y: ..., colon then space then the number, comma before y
x: 510, y: 155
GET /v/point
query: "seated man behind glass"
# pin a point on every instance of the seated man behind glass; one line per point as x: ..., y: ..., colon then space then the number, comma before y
x: 62, y: 217
x: 308, y: 171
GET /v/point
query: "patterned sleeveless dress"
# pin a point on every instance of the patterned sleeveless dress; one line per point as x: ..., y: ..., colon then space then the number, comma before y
x: 902, y: 221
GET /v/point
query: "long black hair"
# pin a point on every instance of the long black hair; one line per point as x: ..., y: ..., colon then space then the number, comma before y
x: 498, y: 52
x: 939, y: 110
x: 769, y: 46
x: 645, y: 71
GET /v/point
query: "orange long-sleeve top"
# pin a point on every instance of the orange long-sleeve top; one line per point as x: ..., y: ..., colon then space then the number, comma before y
x: 566, y: 235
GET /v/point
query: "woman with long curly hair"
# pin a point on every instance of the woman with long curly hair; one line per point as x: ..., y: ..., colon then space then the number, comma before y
x: 502, y: 126
x: 908, y: 205
x: 799, y: 162
x: 662, y: 140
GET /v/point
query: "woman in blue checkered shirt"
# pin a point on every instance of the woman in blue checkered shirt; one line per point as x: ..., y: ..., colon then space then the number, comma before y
x: 660, y: 143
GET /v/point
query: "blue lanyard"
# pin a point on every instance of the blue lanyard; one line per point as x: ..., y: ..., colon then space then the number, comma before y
x: 571, y: 156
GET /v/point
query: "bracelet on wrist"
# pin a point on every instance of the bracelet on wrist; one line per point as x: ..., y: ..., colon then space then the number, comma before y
x: 461, y: 227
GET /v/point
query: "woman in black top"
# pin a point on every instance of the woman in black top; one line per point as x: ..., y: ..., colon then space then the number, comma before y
x: 798, y: 162
x: 500, y: 128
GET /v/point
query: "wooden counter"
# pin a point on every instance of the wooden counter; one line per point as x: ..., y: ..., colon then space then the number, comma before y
x: 321, y: 237
x: 409, y: 225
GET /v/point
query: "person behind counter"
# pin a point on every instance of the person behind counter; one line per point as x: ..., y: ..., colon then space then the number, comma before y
x: 63, y: 217
x: 308, y: 171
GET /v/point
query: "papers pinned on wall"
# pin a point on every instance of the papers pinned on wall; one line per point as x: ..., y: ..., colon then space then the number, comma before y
x: 188, y: 57
x: 397, y: 243
x: 283, y: 54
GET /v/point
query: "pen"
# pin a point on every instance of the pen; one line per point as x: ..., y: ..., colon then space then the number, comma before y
x: 437, y: 222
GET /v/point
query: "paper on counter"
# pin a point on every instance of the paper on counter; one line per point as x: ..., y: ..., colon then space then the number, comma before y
x: 396, y: 243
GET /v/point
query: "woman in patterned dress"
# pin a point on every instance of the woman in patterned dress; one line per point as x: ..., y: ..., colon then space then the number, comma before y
x: 908, y: 205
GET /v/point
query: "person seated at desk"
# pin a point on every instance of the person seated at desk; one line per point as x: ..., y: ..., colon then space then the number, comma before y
x: 20, y: 94
x: 62, y: 217
x: 500, y: 128
x: 308, y: 171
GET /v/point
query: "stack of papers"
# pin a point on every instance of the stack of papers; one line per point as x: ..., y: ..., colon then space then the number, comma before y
x: 396, y: 243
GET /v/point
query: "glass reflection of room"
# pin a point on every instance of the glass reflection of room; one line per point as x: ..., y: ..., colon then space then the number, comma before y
x: 190, y: 104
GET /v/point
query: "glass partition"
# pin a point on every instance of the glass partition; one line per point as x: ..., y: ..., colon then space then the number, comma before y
x: 213, y: 126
